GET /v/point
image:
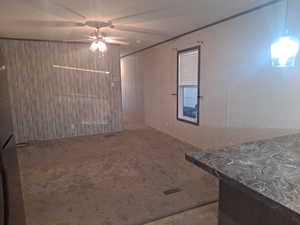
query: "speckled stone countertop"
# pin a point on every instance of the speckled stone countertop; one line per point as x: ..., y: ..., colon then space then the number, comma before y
x: 268, y: 169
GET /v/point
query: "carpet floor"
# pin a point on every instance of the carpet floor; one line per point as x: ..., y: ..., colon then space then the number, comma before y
x: 125, y: 178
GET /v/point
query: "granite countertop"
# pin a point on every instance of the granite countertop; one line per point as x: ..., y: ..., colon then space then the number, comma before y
x: 269, y: 169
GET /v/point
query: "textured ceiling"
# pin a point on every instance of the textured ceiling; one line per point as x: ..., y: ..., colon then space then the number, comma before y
x: 156, y: 20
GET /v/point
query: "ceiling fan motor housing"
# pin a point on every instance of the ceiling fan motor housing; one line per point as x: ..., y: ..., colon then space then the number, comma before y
x: 97, y: 24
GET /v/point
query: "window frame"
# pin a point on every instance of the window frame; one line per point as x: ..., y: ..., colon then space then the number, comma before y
x: 196, y: 123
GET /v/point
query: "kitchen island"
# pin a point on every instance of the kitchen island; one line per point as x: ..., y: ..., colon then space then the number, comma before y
x: 259, y: 181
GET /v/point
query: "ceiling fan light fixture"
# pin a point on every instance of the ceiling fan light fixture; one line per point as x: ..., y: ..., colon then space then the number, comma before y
x: 98, y: 45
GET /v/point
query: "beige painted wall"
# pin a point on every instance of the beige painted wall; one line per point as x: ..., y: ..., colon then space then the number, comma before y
x: 244, y: 97
x: 132, y: 91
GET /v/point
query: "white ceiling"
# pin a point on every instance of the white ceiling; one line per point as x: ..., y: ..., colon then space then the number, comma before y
x: 158, y: 20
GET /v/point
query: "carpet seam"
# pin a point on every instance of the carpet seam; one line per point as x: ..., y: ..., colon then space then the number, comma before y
x: 179, y: 212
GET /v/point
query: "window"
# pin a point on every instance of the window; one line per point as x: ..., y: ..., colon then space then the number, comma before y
x: 188, y: 73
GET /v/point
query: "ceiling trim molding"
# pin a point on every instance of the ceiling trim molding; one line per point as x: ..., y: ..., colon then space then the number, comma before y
x: 55, y: 41
x: 43, y: 40
x: 207, y: 26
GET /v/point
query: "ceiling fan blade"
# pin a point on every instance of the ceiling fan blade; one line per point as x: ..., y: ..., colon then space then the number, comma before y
x: 78, y: 40
x: 124, y: 18
x: 49, y: 7
x: 91, y: 37
x: 69, y: 9
x: 113, y: 38
x: 138, y: 30
x: 117, y: 42
x: 45, y: 23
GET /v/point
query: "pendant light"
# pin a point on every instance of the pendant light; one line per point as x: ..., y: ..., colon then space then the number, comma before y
x: 285, y: 49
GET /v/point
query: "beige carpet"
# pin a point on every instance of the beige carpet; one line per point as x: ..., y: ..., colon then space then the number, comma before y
x: 117, y: 179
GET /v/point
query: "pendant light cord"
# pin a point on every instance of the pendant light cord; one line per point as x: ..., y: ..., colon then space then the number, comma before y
x: 286, y: 30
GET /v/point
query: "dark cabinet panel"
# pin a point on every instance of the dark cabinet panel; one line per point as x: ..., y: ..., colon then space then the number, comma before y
x: 11, y: 199
x: 5, y: 112
x: 239, y: 208
x: 12, y: 188
x: 2, y: 199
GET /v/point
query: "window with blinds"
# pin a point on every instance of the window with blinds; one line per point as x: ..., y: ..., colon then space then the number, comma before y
x: 188, y: 74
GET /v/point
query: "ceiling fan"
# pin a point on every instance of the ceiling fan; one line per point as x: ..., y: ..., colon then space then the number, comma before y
x: 114, y: 23
x: 100, y: 39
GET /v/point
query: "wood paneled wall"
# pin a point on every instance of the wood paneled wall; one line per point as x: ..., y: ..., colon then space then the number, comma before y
x: 52, y: 103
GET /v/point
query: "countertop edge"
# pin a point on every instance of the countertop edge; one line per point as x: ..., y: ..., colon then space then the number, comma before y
x: 269, y: 202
